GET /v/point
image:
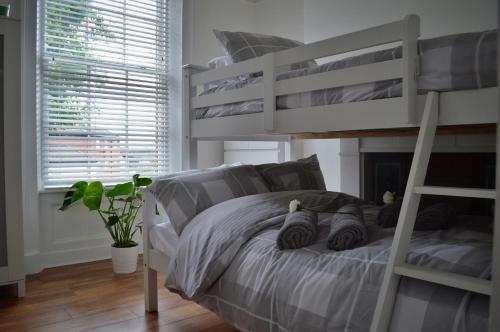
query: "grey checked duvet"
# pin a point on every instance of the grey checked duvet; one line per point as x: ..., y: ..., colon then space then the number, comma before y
x: 455, y: 62
x: 227, y: 260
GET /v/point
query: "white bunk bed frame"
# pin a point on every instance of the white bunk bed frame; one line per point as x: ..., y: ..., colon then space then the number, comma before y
x: 467, y: 107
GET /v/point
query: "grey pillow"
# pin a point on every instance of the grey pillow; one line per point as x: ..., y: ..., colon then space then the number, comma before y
x: 241, y: 46
x: 303, y: 174
x: 186, y: 195
x: 433, y: 217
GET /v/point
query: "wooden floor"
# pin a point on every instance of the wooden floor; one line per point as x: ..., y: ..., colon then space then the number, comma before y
x: 89, y: 297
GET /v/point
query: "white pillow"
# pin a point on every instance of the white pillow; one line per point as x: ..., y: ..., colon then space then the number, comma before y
x: 219, y: 62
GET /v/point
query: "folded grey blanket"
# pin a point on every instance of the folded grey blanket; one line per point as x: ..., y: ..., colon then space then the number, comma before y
x: 347, y: 229
x: 299, y: 230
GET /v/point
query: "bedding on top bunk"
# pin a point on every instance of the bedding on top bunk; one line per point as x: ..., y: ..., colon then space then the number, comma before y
x: 227, y: 260
x: 454, y: 62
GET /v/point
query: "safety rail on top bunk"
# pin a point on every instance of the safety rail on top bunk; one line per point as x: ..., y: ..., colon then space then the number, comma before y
x: 405, y: 31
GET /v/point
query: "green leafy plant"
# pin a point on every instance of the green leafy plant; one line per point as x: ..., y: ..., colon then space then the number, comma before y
x: 71, y: 38
x: 119, y: 215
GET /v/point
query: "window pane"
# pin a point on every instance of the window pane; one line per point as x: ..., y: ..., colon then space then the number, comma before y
x: 103, y: 97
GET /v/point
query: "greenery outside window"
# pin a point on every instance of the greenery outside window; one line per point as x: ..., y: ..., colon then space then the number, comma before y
x: 102, y: 92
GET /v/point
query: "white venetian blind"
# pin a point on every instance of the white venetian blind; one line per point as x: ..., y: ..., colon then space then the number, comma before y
x: 102, y: 89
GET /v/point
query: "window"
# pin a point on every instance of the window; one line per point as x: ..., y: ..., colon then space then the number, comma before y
x: 102, y: 90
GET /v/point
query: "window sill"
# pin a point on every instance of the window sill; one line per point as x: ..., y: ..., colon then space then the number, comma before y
x: 53, y: 190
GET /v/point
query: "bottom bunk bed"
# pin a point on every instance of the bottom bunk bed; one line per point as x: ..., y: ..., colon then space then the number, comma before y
x: 226, y: 258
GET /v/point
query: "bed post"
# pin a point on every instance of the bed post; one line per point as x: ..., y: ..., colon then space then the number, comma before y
x: 268, y: 93
x: 411, y: 31
x: 189, y: 144
x: 494, y: 319
x: 150, y: 281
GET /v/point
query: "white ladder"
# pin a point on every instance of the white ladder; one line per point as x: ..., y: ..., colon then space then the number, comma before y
x: 397, y: 266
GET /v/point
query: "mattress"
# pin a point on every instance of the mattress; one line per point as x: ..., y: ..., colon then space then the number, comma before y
x: 448, y: 63
x: 164, y: 239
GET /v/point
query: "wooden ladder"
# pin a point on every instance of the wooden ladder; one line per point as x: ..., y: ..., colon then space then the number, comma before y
x: 397, y: 266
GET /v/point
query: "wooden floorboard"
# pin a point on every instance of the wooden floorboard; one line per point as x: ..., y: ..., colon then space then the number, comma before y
x: 90, y: 297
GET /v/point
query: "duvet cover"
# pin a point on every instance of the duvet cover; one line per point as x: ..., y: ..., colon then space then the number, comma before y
x: 228, y: 261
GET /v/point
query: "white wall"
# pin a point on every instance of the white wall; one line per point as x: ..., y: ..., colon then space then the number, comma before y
x: 27, y: 11
x: 202, y: 16
x: 200, y: 45
x: 253, y: 152
x: 328, y: 18
x: 284, y: 18
x: 56, y: 238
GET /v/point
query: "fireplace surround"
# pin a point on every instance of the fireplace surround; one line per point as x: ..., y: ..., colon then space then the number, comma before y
x: 382, y: 171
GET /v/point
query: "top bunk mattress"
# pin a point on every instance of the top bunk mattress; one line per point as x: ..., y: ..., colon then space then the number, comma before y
x: 448, y: 63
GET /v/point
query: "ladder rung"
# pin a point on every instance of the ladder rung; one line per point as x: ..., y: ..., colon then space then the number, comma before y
x: 472, y: 284
x: 460, y: 192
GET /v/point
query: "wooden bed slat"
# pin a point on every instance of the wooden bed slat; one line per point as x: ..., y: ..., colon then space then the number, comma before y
x: 444, y: 130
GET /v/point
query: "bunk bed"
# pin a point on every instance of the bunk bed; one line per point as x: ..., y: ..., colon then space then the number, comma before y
x: 447, y: 112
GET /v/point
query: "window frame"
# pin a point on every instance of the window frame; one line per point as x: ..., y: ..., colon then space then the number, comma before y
x: 171, y: 78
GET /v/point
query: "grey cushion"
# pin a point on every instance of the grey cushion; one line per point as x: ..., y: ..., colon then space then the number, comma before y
x: 434, y: 217
x: 241, y: 46
x: 186, y: 195
x: 303, y: 174
x: 389, y: 214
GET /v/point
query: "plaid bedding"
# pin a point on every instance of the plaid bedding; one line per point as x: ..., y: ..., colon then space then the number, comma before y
x: 455, y: 62
x: 227, y: 260
x: 303, y: 173
x: 241, y: 46
x: 185, y: 194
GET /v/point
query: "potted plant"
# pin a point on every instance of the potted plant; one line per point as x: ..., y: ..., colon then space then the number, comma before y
x: 124, y: 201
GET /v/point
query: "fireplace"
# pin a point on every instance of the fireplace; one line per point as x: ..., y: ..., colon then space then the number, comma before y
x: 389, y: 171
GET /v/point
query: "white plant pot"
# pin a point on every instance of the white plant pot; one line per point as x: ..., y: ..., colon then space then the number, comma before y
x: 124, y: 259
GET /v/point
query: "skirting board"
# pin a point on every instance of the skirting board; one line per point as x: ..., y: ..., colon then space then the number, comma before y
x: 36, y: 262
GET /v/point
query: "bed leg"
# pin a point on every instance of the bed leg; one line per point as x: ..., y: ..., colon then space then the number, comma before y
x: 21, y: 288
x: 150, y: 289
x: 150, y: 281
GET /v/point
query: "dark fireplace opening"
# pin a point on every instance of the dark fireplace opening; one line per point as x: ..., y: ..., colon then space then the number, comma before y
x: 389, y: 171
